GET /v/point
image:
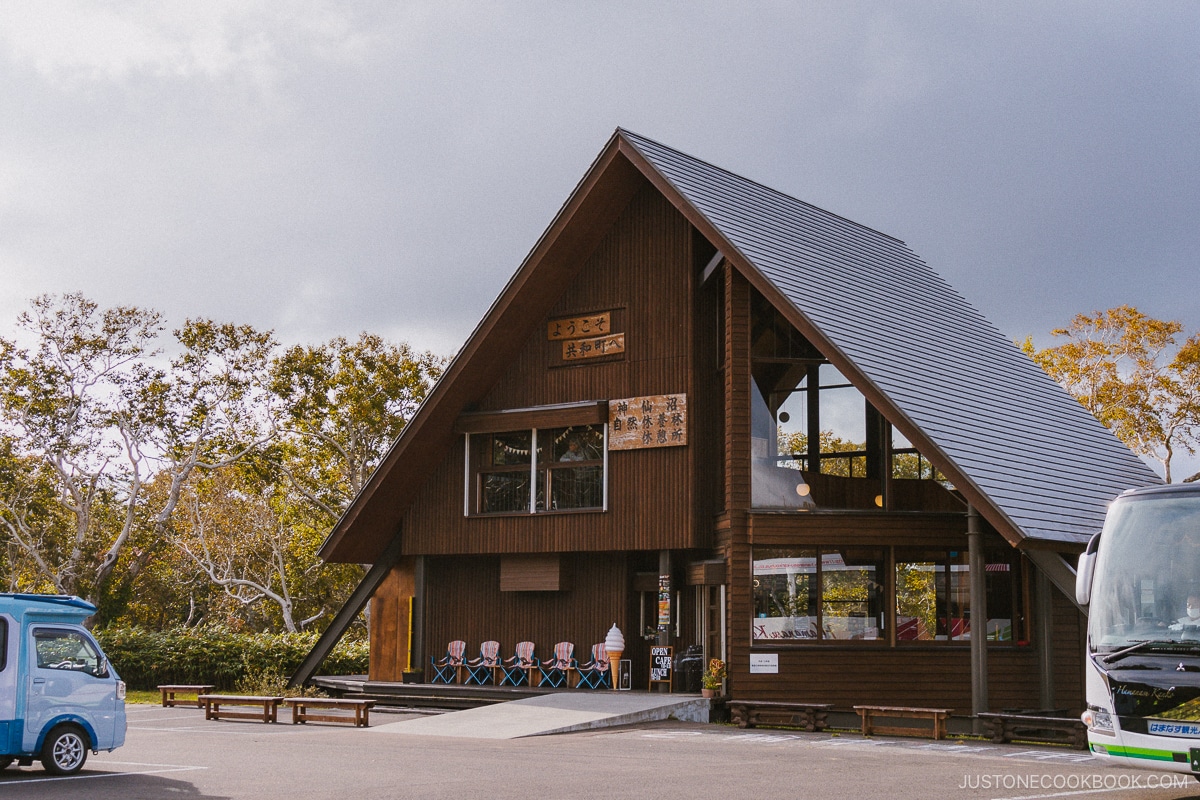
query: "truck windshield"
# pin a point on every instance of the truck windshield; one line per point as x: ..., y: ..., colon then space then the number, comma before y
x: 1147, y: 583
x: 64, y: 649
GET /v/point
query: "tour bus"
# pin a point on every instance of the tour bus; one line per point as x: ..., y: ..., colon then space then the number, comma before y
x: 59, y: 696
x: 1140, y: 577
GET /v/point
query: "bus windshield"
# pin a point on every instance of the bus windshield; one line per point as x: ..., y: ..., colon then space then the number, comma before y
x: 1147, y: 570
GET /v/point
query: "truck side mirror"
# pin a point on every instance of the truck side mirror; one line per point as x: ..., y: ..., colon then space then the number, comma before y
x: 1085, y: 570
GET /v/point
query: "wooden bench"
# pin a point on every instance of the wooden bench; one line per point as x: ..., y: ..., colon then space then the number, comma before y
x: 937, y: 715
x: 748, y: 713
x: 301, y: 710
x: 268, y: 707
x: 169, y: 690
x: 1058, y: 730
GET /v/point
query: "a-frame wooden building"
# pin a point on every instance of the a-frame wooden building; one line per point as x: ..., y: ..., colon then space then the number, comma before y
x: 724, y: 418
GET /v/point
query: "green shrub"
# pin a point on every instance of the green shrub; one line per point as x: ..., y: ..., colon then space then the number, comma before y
x: 217, y: 655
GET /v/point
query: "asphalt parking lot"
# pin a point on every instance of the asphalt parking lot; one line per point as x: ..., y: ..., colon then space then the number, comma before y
x: 174, y: 752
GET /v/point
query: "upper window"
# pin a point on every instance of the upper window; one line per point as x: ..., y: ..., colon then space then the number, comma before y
x: 538, y: 470
x: 817, y: 443
x: 3, y: 643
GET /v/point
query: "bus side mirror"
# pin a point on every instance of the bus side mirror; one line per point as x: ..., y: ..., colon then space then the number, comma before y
x: 1085, y: 570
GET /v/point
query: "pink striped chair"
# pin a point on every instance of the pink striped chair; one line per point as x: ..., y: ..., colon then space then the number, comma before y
x: 515, y: 671
x: 445, y: 669
x: 480, y: 670
x: 595, y: 674
x: 556, y: 672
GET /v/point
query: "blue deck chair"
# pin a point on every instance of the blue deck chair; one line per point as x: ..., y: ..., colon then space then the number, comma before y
x: 595, y: 674
x: 556, y: 671
x: 445, y: 669
x: 515, y: 671
x: 479, y: 670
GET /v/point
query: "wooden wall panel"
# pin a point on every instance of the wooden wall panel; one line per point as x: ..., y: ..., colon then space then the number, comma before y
x: 734, y: 528
x: 389, y: 624
x: 928, y: 676
x: 464, y: 601
x: 1070, y: 629
x: 538, y: 573
x: 868, y: 529
x: 644, y: 267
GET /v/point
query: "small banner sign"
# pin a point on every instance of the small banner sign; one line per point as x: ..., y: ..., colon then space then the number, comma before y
x: 664, y: 601
x: 595, y: 347
x: 761, y: 663
x: 635, y: 423
x: 661, y: 666
x: 579, y: 327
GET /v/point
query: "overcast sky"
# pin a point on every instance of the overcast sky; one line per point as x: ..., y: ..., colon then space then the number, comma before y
x: 323, y: 168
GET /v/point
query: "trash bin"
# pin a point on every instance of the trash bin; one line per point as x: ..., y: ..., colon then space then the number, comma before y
x: 689, y: 666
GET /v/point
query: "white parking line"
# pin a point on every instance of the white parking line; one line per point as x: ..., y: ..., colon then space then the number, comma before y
x: 157, y: 769
x: 279, y: 730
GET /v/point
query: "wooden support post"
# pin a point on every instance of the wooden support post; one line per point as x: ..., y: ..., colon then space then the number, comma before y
x: 416, y: 642
x: 979, y: 618
x: 1044, y: 604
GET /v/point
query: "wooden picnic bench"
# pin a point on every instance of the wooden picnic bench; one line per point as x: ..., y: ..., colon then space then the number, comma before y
x: 302, y: 710
x: 268, y: 707
x: 1060, y: 730
x: 869, y: 713
x: 170, y: 689
x: 748, y: 713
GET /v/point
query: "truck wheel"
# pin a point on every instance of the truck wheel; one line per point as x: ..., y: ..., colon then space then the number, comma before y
x: 65, y: 750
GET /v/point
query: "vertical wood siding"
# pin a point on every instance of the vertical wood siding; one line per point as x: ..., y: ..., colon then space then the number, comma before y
x: 464, y: 601
x: 389, y: 624
x: 642, y: 267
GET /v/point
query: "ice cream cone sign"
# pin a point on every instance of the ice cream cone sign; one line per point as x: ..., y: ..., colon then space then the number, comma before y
x: 614, y: 645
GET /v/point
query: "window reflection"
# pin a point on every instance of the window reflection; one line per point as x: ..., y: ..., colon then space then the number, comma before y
x: 818, y: 594
x: 568, y: 464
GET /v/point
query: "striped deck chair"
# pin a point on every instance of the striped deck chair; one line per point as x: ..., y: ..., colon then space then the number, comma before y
x: 594, y: 674
x: 445, y: 669
x: 479, y: 670
x: 556, y: 671
x: 515, y: 671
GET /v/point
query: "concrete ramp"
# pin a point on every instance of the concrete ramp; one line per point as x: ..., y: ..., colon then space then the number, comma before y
x: 561, y: 712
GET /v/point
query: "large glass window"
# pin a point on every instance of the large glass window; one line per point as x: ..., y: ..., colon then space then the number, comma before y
x: 841, y: 594
x: 818, y: 594
x: 816, y: 443
x: 550, y: 469
x: 933, y: 596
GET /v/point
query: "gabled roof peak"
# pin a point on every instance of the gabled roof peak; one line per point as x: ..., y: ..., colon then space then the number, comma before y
x: 1035, y: 463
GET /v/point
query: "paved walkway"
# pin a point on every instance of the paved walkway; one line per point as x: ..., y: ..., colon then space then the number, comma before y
x: 561, y: 712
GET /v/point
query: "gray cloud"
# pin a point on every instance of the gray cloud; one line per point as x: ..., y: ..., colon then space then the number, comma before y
x: 325, y: 168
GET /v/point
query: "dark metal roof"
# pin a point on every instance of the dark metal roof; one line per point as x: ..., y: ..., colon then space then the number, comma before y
x: 950, y: 379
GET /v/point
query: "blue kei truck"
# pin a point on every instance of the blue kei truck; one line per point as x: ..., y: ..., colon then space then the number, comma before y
x: 59, y: 696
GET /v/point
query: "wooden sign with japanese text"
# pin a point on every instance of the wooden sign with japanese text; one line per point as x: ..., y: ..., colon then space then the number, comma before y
x: 595, y: 347
x: 579, y: 327
x: 640, y: 422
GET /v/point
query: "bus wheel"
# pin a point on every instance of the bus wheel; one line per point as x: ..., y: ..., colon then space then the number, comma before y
x: 5, y: 761
x: 65, y: 750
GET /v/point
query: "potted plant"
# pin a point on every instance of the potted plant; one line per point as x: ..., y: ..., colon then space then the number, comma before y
x: 712, y: 678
